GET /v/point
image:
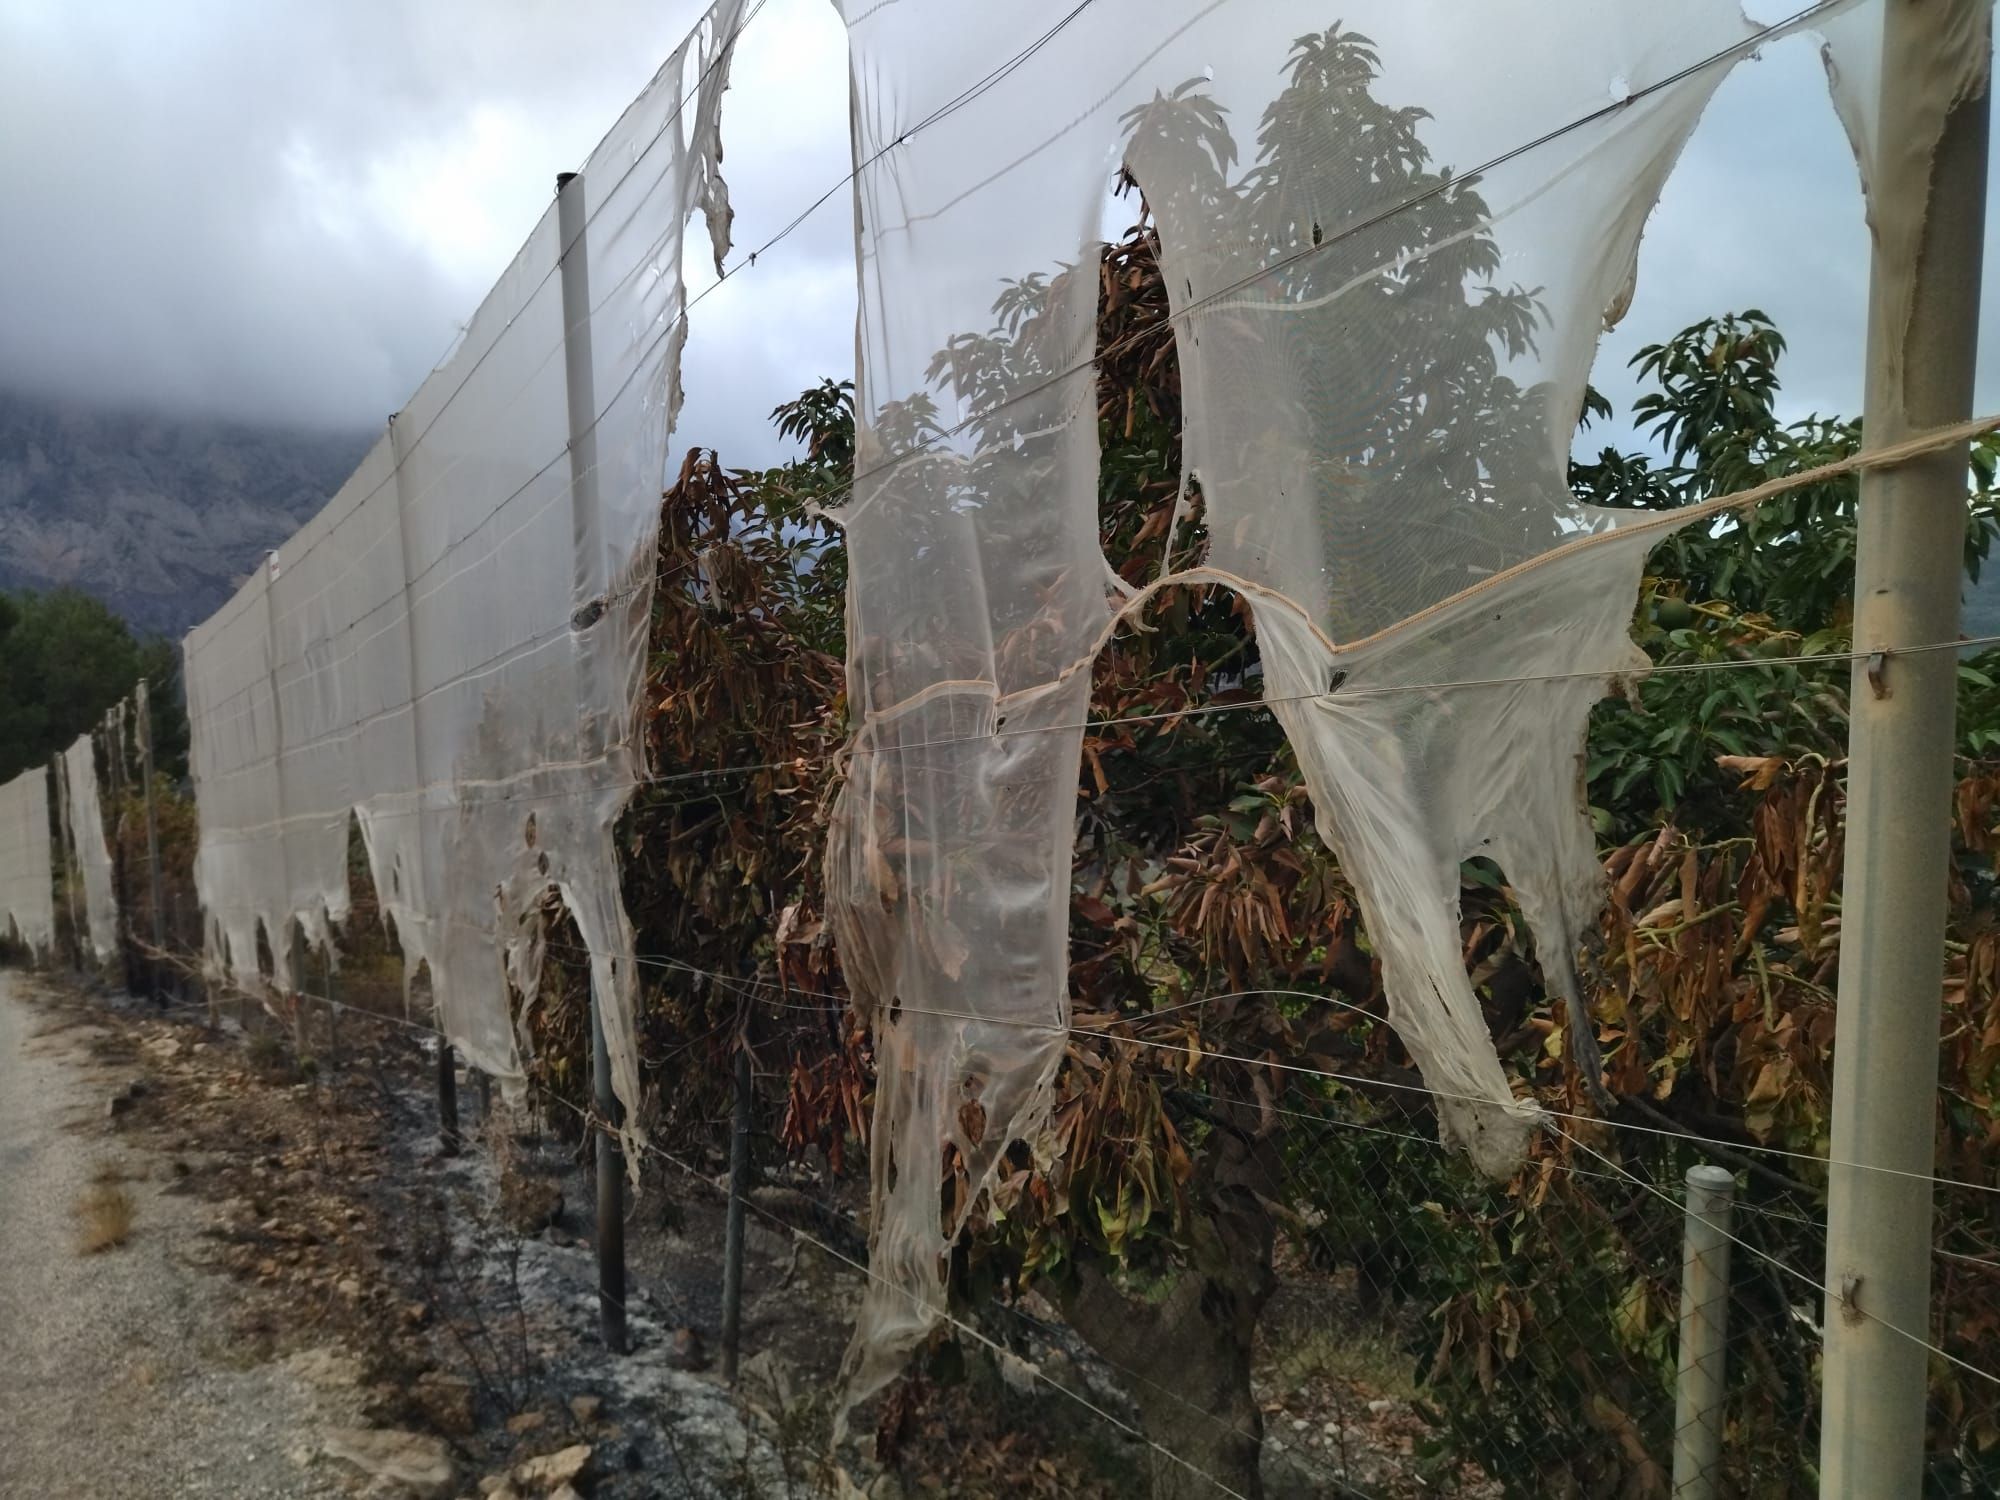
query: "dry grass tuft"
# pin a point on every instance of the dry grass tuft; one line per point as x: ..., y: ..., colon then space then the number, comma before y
x: 104, y: 1216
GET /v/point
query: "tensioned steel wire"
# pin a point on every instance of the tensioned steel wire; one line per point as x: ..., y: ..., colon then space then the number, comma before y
x: 760, y: 989
x: 1617, y: 1172
x: 592, y: 1123
x: 993, y: 79
x: 764, y: 989
x: 802, y: 764
x: 672, y: 121
x: 966, y: 97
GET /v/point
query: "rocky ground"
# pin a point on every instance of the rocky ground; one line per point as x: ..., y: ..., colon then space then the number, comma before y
x: 366, y: 1314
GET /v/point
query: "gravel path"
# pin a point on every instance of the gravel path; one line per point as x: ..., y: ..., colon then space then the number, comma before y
x: 115, y: 1372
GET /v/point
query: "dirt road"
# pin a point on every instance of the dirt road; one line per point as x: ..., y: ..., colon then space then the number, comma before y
x: 115, y: 1374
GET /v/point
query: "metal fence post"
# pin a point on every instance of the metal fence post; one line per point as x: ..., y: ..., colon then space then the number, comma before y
x: 1701, y: 1389
x: 447, y: 1087
x: 579, y: 378
x: 732, y: 1240
x: 610, y: 1191
x: 332, y: 1011
x: 295, y: 963
x: 1927, y: 210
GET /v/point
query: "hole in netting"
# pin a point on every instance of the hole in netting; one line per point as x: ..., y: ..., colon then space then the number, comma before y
x: 364, y: 969
x: 1186, y: 813
x: 549, y: 1001
x: 1148, y: 525
x: 266, y: 965
x: 1501, y: 962
x: 423, y: 992
x: 972, y: 1112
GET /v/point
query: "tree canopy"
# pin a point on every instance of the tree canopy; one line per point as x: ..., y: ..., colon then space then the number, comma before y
x: 64, y: 660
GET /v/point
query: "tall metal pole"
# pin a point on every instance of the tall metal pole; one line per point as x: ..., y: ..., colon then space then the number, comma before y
x: 732, y: 1232
x: 414, y: 879
x: 1927, y: 208
x: 610, y: 1195
x: 154, y: 969
x: 447, y: 1090
x: 1701, y: 1387
x: 580, y: 376
x: 289, y: 936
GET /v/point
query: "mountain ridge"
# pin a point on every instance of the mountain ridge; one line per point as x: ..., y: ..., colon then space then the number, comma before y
x: 160, y: 516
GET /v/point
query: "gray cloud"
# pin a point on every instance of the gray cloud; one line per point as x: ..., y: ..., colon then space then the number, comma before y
x: 284, y: 212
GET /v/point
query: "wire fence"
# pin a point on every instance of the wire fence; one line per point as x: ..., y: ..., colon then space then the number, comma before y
x: 1407, y: 1327
x: 1418, y: 1329
x: 1411, y: 1327
x: 1255, y: 1272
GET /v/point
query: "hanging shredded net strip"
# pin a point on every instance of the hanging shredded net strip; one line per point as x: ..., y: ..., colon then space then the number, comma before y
x: 1390, y: 244
x: 27, y: 878
x: 452, y: 650
x: 84, y: 816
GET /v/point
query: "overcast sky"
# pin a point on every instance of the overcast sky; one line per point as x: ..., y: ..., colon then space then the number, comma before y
x: 285, y: 211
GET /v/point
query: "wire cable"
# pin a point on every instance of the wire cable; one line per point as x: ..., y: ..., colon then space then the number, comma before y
x: 1831, y: 1299
x: 1618, y: 1172
x: 776, y: 995
x: 1339, y: 695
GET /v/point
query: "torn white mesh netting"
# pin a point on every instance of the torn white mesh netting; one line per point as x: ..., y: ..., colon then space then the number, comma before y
x: 27, y: 877
x: 1382, y: 363
x: 83, y: 818
x: 452, y: 650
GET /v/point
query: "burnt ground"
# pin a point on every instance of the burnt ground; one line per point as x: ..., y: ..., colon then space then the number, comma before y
x: 449, y: 1301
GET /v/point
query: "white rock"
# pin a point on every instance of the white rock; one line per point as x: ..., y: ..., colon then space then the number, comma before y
x: 325, y: 1367
x: 420, y: 1466
x: 553, y: 1470
x: 1018, y: 1373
